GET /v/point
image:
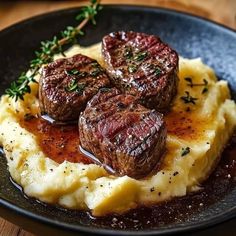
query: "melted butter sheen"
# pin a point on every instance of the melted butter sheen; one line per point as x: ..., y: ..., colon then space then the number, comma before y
x: 59, y: 143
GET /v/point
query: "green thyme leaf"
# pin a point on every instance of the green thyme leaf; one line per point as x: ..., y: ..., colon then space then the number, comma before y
x: 191, y: 84
x: 75, y: 87
x: 128, y: 53
x: 157, y: 71
x: 76, y: 73
x: 73, y: 72
x: 188, y: 98
x: 188, y: 79
x: 95, y: 72
x: 72, y: 86
x: 140, y: 56
x: 132, y: 68
x: 205, y: 90
x: 49, y: 48
x: 89, y: 12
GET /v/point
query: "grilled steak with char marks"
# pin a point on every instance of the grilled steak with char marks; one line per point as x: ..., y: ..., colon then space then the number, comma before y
x: 142, y: 65
x: 122, y: 134
x: 67, y: 84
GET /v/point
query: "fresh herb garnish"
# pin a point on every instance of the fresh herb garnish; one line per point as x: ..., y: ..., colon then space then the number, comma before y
x: 140, y: 56
x: 188, y: 98
x: 72, y: 86
x: 75, y: 87
x: 73, y: 72
x: 97, y: 69
x: 48, y: 48
x: 191, y: 84
x: 154, y: 69
x: 132, y: 68
x: 95, y: 72
x: 128, y: 53
x: 89, y: 12
x: 205, y: 90
x: 95, y: 64
x: 185, y: 151
x: 157, y: 71
x: 20, y: 87
x: 76, y: 73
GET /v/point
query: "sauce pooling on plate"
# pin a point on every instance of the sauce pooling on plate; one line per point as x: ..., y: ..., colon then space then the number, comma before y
x: 179, y: 209
x: 60, y: 143
x: 219, y: 184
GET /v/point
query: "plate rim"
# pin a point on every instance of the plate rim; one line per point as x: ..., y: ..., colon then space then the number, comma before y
x: 212, y: 221
x: 143, y: 7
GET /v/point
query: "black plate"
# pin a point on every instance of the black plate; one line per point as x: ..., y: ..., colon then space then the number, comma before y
x: 190, y: 36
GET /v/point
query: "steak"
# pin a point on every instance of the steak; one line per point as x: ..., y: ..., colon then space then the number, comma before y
x: 67, y: 84
x: 142, y: 65
x: 122, y: 134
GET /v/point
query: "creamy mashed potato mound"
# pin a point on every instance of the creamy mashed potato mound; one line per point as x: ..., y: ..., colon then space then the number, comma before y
x: 197, y: 134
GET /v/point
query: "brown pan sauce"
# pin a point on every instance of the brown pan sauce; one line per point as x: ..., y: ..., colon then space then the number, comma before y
x: 62, y: 143
x: 59, y: 142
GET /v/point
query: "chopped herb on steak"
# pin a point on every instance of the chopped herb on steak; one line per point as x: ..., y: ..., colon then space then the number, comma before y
x: 67, y: 84
x: 144, y: 63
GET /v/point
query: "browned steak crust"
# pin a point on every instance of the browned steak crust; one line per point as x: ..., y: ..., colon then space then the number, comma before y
x: 142, y: 65
x: 122, y: 134
x: 67, y: 84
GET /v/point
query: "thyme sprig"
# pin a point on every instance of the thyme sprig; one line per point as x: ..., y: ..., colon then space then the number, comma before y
x: 188, y: 98
x: 140, y: 56
x: 90, y: 12
x: 75, y: 87
x: 191, y: 84
x: 48, y: 48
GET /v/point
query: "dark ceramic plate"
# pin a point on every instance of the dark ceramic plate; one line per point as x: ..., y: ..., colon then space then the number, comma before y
x: 189, y: 35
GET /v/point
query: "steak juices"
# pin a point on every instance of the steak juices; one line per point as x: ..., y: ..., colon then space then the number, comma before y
x: 117, y: 126
x: 67, y: 85
x: 122, y: 134
x: 45, y: 159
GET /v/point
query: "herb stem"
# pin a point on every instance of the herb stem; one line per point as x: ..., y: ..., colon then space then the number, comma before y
x: 78, y: 29
x: 188, y: 98
x: 64, y: 41
x: 21, y: 86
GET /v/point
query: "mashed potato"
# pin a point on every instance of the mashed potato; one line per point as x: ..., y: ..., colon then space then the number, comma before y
x: 197, y: 134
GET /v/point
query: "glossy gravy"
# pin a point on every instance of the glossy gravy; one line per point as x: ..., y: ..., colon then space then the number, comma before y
x: 57, y: 142
x: 62, y: 143
x: 178, y: 210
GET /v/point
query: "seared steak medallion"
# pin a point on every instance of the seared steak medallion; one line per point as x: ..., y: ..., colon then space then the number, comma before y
x: 66, y: 85
x: 122, y: 134
x: 142, y: 65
